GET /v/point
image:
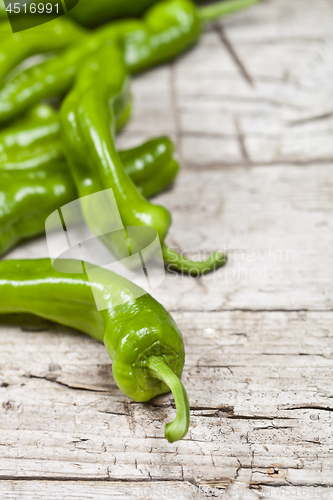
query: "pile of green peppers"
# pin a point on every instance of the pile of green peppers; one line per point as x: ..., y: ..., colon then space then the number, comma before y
x: 49, y: 158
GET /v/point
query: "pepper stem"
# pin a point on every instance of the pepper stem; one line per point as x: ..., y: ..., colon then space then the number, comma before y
x: 220, y: 9
x: 176, y: 261
x: 178, y: 428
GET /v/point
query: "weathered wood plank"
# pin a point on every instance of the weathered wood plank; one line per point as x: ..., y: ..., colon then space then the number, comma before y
x: 276, y: 225
x: 254, y: 77
x: 76, y: 490
x: 259, y: 386
x: 249, y: 109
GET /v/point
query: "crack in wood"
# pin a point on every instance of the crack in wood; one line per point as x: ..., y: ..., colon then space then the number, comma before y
x: 300, y: 484
x: 252, y: 99
x: 306, y: 407
x: 235, y: 57
x: 174, y: 107
x: 220, y: 166
x: 270, y: 427
x: 94, y: 479
x: 63, y: 384
x: 314, y: 118
x: 113, y: 413
x: 241, y: 140
x: 254, y: 311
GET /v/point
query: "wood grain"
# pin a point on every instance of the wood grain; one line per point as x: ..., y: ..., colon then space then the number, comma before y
x: 250, y: 111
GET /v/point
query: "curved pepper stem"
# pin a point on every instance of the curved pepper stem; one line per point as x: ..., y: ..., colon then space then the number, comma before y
x: 178, y: 428
x: 176, y: 261
x: 220, y: 9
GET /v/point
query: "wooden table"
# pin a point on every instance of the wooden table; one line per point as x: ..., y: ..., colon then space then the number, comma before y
x: 251, y: 111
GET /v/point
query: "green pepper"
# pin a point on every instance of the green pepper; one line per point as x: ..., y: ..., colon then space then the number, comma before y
x: 27, y: 198
x: 34, y: 139
x: 54, y: 36
x: 29, y: 195
x: 165, y: 31
x: 35, y: 181
x: 88, y: 114
x: 40, y: 127
x: 150, y: 166
x: 35, y: 115
x: 140, y: 336
x: 99, y: 11
x: 86, y: 121
x: 91, y: 13
x: 154, y: 184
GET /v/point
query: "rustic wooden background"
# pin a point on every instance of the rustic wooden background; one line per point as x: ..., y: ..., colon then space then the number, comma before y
x: 251, y: 111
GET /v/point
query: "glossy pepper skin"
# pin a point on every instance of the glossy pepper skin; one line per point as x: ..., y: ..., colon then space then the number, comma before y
x: 92, y: 13
x: 53, y: 36
x: 87, y: 120
x: 35, y: 179
x: 166, y: 30
x: 27, y: 198
x: 34, y: 138
x: 140, y: 336
x: 150, y: 166
x: 36, y: 114
x: 30, y: 195
x: 34, y: 141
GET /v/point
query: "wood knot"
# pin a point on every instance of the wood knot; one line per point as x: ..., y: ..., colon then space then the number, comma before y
x: 276, y: 471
